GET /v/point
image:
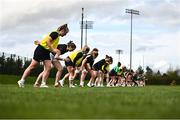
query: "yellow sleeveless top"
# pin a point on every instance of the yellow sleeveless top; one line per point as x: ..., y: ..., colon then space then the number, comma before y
x: 54, y: 42
x: 73, y: 55
x: 106, y: 68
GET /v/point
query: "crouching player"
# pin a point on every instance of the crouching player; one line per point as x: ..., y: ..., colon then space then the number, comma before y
x: 139, y: 78
x: 114, y: 75
x: 121, y: 77
x: 130, y: 79
x: 86, y: 67
x: 42, y: 53
x: 101, y: 69
x: 74, y: 60
x: 63, y: 48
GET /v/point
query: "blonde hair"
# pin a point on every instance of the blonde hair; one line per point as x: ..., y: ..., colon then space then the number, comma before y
x: 86, y: 49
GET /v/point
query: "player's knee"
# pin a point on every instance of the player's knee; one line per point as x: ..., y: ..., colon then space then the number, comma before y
x: 31, y: 67
x: 84, y: 72
x: 48, y: 69
x: 59, y: 69
x: 93, y: 75
x: 77, y: 71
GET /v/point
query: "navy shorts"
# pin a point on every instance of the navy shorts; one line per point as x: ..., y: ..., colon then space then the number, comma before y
x: 96, y: 67
x: 112, y: 73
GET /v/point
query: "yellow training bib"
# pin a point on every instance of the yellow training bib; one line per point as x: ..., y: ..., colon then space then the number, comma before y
x: 54, y: 42
x: 106, y: 68
x: 73, y: 55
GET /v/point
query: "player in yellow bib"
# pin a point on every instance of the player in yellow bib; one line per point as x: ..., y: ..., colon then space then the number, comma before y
x: 101, y: 69
x: 87, y: 66
x: 42, y: 53
x: 74, y: 60
x: 63, y: 48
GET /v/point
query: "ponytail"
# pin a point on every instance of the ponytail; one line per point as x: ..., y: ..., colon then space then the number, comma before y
x: 71, y: 44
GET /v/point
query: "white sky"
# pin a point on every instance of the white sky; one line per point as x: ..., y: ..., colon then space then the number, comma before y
x: 156, y: 31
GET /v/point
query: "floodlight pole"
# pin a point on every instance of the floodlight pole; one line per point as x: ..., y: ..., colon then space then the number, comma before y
x: 86, y: 33
x: 82, y: 27
x: 143, y: 62
x: 119, y: 52
x: 87, y: 25
x: 131, y: 11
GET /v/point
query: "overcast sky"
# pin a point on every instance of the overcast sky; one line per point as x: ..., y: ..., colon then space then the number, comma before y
x: 156, y: 31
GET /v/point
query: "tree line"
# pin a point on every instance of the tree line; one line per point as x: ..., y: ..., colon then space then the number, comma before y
x: 171, y: 77
x: 12, y: 64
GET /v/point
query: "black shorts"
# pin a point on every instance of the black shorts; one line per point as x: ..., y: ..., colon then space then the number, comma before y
x: 91, y: 67
x: 69, y: 63
x: 112, y: 73
x: 96, y: 67
x: 41, y: 54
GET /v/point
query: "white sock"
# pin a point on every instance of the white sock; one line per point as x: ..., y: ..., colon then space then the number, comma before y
x: 81, y: 83
x: 22, y: 81
x: 43, y: 82
x: 63, y: 80
x: 70, y: 81
x: 70, y: 78
x: 89, y: 83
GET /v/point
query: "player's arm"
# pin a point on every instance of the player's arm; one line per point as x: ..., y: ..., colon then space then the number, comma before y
x: 57, y: 56
x: 50, y: 39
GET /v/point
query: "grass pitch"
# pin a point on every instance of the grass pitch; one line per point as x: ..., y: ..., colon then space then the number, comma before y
x: 121, y: 102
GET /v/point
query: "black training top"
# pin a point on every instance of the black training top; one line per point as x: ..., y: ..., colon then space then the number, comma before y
x: 99, y: 64
x: 54, y: 35
x: 90, y: 60
x: 62, y: 48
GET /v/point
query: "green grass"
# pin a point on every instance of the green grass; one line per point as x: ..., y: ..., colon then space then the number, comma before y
x: 145, y: 102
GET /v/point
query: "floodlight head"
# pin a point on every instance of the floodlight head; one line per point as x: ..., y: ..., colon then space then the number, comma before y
x: 119, y: 51
x: 87, y: 24
x: 131, y: 11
